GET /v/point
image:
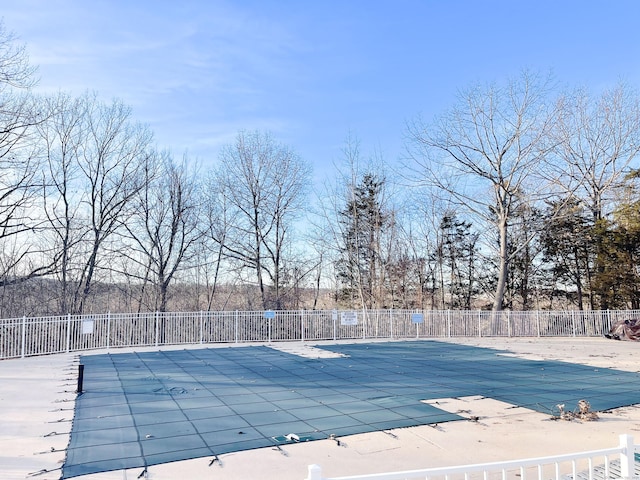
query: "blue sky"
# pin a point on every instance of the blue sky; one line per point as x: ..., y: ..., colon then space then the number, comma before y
x: 311, y: 72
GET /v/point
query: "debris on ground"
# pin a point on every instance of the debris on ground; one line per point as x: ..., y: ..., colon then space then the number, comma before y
x: 625, y: 330
x: 583, y: 412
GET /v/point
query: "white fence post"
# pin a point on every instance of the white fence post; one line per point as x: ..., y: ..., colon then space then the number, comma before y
x: 314, y: 472
x: 68, y: 332
x: 364, y: 324
x: 235, y: 322
x: 627, y: 457
x: 24, y: 334
x: 302, y: 325
x: 157, y: 326
x: 108, y: 330
x: 334, y: 318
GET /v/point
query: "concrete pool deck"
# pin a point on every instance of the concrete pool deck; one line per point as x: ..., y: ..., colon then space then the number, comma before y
x: 37, y: 398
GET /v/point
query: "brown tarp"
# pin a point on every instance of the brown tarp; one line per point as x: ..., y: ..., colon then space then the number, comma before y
x: 625, y: 330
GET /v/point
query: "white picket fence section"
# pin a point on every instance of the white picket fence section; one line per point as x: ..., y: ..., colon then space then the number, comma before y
x: 21, y: 337
x: 605, y: 464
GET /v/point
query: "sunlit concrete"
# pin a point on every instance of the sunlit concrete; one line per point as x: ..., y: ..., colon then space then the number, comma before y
x: 37, y: 398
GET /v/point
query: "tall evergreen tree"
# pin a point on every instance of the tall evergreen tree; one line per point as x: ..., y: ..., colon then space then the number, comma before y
x: 458, y: 256
x: 617, y: 272
x: 361, y: 265
x: 568, y: 249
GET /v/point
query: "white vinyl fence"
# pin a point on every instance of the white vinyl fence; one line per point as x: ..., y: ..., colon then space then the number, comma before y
x: 20, y: 337
x: 605, y: 464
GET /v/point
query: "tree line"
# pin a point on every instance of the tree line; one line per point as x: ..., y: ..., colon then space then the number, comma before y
x: 521, y: 196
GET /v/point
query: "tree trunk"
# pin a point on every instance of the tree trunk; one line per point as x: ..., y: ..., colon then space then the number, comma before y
x: 503, y: 267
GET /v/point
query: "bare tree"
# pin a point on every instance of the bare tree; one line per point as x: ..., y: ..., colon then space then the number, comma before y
x: 485, y: 154
x: 111, y: 166
x: 597, y: 139
x: 15, y: 69
x: 216, y: 220
x: 263, y: 183
x: 24, y: 254
x: 163, y: 227
x: 62, y: 138
x: 419, y: 230
x: 330, y: 232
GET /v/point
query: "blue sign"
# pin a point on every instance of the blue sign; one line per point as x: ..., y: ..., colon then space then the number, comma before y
x: 417, y: 318
x: 269, y: 314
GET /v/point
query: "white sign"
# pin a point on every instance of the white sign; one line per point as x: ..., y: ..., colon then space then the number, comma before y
x: 349, y: 318
x: 334, y: 315
x: 87, y: 327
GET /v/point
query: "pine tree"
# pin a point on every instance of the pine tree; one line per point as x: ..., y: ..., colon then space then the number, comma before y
x: 361, y: 264
x: 617, y: 272
x: 568, y: 248
x: 457, y: 252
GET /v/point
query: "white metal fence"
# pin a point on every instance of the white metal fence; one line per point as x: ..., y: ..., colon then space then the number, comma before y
x: 20, y: 337
x: 605, y: 464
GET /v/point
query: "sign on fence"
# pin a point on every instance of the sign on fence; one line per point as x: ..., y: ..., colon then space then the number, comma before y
x: 269, y: 314
x: 349, y: 318
x: 87, y: 327
x: 417, y: 318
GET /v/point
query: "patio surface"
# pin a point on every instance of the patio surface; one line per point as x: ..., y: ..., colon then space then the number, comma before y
x: 238, y: 405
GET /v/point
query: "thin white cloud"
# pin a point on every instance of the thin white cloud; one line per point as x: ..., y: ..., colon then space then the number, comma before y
x: 196, y: 72
x: 154, y: 49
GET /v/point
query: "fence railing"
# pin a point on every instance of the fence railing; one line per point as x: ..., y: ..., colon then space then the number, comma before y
x: 605, y: 464
x: 20, y: 337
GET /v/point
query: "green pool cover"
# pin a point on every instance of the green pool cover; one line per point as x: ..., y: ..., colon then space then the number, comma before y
x: 141, y: 409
